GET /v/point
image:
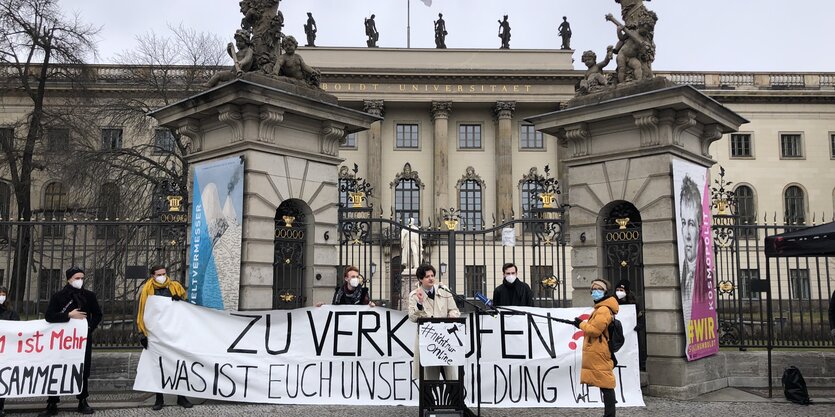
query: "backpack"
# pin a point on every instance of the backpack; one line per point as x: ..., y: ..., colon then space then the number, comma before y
x: 794, y: 386
x: 615, y: 336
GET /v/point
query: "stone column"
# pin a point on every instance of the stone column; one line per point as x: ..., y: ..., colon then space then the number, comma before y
x: 440, y: 118
x: 374, y: 168
x: 504, y: 159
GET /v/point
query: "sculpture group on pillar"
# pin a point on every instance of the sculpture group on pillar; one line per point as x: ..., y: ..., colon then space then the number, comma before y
x: 263, y: 48
x: 504, y: 33
x: 371, y: 32
x: 310, y: 30
x: 635, y: 50
x: 440, y: 32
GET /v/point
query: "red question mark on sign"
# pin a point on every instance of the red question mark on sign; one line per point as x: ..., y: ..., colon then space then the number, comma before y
x: 577, y: 335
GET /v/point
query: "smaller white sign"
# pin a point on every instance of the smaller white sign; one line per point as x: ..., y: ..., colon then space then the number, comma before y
x: 508, y: 236
x: 442, y: 344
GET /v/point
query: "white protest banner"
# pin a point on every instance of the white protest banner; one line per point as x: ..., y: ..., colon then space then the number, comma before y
x: 40, y: 358
x: 331, y: 354
x: 442, y: 344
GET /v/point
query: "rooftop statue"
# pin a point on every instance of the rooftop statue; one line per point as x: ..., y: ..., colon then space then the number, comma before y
x: 440, y: 32
x: 310, y: 30
x: 565, y: 33
x: 635, y: 48
x: 371, y: 32
x: 504, y: 33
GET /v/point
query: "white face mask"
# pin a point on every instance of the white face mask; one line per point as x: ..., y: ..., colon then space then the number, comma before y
x: 354, y: 282
x: 2, y: 299
x: 77, y: 283
x: 620, y: 294
x: 510, y: 278
x: 160, y: 279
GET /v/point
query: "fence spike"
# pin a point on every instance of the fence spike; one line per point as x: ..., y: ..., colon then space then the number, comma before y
x: 512, y: 214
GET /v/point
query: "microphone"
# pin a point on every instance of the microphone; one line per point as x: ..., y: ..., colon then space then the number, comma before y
x: 483, y: 298
x: 443, y: 287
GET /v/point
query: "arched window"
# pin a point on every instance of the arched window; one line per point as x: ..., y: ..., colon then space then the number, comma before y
x: 407, y: 186
x: 746, y: 209
x: 795, y: 205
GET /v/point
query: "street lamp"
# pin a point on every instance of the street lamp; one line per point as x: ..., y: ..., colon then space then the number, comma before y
x: 443, y: 268
x: 373, y: 269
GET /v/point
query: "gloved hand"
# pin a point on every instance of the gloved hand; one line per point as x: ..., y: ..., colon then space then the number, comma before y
x: 577, y: 322
x: 144, y: 342
x: 176, y: 298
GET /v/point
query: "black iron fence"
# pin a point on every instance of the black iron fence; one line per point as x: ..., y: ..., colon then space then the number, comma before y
x: 800, y: 289
x: 468, y: 258
x: 115, y: 256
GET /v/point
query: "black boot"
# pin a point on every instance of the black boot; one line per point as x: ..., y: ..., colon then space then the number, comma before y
x: 85, y: 408
x: 159, y: 403
x: 184, y: 402
x: 51, y: 410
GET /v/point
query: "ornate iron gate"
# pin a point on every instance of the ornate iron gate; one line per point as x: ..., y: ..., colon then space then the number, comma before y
x: 288, y: 266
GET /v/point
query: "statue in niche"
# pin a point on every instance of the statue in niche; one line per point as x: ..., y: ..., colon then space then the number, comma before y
x: 504, y: 33
x: 371, y: 32
x: 636, y: 46
x: 243, y: 59
x: 440, y: 32
x: 565, y: 33
x: 594, y: 79
x: 310, y: 30
x: 292, y: 66
x: 410, y: 252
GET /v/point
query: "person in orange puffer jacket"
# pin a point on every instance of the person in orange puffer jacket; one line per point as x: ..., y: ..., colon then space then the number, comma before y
x: 598, y: 367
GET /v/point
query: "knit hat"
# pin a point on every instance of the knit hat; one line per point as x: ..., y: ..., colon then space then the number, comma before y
x: 623, y: 283
x: 602, y: 282
x: 72, y: 271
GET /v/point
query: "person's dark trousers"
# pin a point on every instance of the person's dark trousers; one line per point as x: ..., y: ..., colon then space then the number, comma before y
x: 609, y: 402
x: 2, y: 406
x: 88, y: 359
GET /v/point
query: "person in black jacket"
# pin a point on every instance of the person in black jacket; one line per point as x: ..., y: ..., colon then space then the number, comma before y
x: 512, y: 291
x: 832, y: 315
x: 351, y: 292
x: 624, y: 294
x: 6, y: 313
x: 74, y: 302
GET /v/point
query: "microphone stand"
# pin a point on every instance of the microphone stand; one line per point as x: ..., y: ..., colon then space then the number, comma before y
x: 480, y: 311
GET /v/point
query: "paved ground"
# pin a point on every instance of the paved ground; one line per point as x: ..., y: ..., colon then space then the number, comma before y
x: 729, y: 402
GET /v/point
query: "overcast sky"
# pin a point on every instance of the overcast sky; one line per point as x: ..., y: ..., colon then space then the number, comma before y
x: 704, y: 35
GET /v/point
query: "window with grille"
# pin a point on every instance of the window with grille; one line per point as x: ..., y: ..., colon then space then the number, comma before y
x: 790, y: 145
x: 746, y: 210
x: 49, y: 282
x: 58, y: 139
x: 164, y: 142
x: 795, y: 205
x: 5, y: 208
x: 475, y: 279
x: 104, y: 284
x: 530, y: 200
x: 529, y: 138
x: 469, y: 137
x: 741, y: 145
x: 55, y: 204
x: 407, y: 136
x: 350, y: 142
x: 801, y: 288
x: 469, y: 201
x: 832, y: 145
x: 111, y: 139
x: 539, y: 273
x: 407, y: 201
x: 6, y: 138
x: 108, y: 209
x: 745, y: 284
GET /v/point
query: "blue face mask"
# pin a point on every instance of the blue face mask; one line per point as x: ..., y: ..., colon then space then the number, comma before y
x: 597, y: 295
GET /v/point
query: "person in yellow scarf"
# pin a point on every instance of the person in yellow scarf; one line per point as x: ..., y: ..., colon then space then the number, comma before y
x: 159, y: 284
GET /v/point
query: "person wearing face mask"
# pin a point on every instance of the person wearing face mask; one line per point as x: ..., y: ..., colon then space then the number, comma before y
x: 597, y: 369
x: 6, y: 313
x: 431, y: 299
x: 76, y: 303
x: 512, y: 291
x: 625, y: 296
x: 351, y: 292
x: 159, y: 284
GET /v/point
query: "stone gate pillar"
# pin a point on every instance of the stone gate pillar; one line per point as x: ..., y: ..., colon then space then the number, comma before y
x: 289, y: 136
x: 621, y: 148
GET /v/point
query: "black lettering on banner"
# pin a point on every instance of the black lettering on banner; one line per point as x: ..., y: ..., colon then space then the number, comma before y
x: 338, y: 332
x: 319, y: 343
x: 383, y: 378
x: 301, y: 382
x: 496, y: 370
x: 267, y: 334
x: 366, y: 333
x: 246, y: 375
x: 287, y: 383
x: 549, y: 346
x: 197, y: 374
x: 166, y: 382
x: 394, y: 379
x: 552, y: 389
x: 232, y: 348
x: 323, y: 378
x: 504, y: 332
x: 372, y: 385
x: 219, y: 370
x: 350, y: 379
x: 271, y: 381
x: 619, y: 368
x: 42, y: 374
x: 182, y: 375
x: 52, y: 380
x: 391, y: 332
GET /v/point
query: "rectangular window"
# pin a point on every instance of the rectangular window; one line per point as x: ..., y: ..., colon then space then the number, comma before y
x: 104, y: 284
x: 832, y: 145
x: 407, y: 201
x: 48, y: 283
x: 344, y: 199
x: 741, y: 145
x: 164, y: 142
x: 529, y: 138
x: 111, y: 139
x: 6, y: 137
x: 539, y: 273
x: 475, y: 280
x: 350, y: 142
x: 790, y: 145
x: 469, y: 137
x: 406, y: 136
x: 746, y: 277
x: 58, y: 139
x: 801, y: 290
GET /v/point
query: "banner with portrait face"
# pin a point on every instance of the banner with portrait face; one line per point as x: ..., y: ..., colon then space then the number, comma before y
x: 691, y: 194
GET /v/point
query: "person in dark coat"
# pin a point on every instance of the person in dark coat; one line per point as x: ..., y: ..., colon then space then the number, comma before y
x: 351, y: 292
x: 624, y: 294
x: 512, y: 291
x: 74, y: 302
x: 832, y: 315
x: 6, y: 313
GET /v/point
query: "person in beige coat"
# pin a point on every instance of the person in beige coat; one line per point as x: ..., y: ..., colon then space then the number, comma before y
x: 430, y: 299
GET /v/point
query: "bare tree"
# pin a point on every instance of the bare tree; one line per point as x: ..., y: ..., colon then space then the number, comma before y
x: 38, y: 45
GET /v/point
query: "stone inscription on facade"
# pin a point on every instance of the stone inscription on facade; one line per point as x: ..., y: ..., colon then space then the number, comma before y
x: 431, y: 88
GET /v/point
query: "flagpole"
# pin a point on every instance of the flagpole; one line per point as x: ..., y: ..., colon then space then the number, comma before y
x: 408, y: 24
